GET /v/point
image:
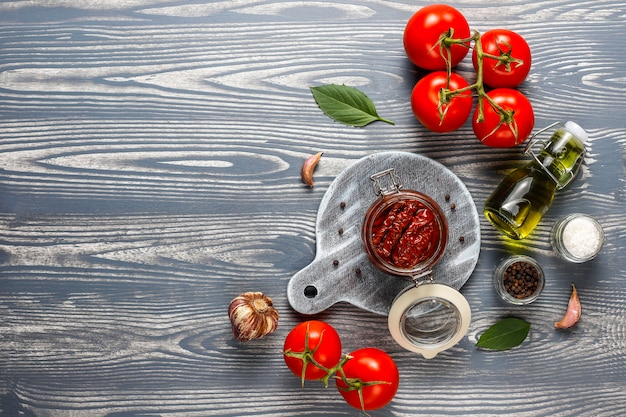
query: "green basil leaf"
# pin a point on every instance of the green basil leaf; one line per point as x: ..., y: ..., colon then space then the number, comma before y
x: 505, y: 334
x: 346, y: 105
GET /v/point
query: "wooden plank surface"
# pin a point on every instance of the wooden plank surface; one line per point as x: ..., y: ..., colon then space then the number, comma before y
x: 150, y: 157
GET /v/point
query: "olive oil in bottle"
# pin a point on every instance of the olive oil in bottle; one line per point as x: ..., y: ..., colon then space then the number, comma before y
x: 517, y: 205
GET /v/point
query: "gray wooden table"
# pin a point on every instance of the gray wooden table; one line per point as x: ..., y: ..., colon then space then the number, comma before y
x: 150, y: 156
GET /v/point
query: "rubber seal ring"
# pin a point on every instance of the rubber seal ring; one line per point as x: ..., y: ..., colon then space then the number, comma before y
x: 425, y: 292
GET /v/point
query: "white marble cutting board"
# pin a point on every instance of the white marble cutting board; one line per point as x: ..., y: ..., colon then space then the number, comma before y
x: 341, y: 270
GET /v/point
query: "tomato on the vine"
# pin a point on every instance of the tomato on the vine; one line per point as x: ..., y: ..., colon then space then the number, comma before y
x: 426, y: 29
x: 514, y: 61
x: 323, y: 348
x: 373, y: 379
x: 508, y: 128
x: 435, y: 107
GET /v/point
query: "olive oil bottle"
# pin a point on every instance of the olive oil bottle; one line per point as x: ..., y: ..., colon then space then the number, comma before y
x: 517, y: 205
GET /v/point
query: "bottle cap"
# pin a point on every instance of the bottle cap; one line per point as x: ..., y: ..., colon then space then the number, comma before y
x: 577, y: 131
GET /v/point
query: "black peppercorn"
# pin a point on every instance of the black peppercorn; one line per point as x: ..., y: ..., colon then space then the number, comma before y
x: 521, y: 279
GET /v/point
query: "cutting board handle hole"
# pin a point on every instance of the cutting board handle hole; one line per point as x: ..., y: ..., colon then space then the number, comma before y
x: 310, y: 291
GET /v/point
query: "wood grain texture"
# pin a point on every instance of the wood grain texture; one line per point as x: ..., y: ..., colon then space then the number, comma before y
x: 150, y: 156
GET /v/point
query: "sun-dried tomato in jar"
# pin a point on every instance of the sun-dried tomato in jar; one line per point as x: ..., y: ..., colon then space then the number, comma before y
x: 404, y: 233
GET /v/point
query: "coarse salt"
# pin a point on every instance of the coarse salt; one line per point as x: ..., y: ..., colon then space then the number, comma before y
x: 581, y: 237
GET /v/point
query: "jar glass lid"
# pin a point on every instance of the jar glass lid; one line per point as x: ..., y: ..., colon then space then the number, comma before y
x: 429, y: 319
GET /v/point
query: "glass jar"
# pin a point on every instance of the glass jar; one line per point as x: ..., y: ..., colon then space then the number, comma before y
x: 404, y: 234
x: 577, y: 238
x: 519, y: 279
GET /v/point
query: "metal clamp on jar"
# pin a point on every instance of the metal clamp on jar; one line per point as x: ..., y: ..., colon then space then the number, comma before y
x: 404, y: 234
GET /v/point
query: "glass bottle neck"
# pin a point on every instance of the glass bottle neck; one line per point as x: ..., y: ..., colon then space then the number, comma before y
x: 561, y: 158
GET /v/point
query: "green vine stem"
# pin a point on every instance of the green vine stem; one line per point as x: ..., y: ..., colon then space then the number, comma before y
x: 352, y: 384
x: 446, y: 41
x: 307, y: 356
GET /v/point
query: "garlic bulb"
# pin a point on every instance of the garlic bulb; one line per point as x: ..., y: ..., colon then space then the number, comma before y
x: 252, y: 315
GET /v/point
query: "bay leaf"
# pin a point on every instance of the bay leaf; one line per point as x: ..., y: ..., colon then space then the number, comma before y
x: 347, y: 105
x: 505, y: 334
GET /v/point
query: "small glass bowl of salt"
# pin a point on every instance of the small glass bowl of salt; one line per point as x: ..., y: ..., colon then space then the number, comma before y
x: 577, y: 237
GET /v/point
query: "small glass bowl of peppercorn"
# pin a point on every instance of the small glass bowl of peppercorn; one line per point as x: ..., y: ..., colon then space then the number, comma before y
x: 519, y: 279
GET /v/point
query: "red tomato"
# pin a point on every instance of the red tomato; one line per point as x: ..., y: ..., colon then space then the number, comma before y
x: 423, y: 32
x: 324, y: 348
x: 506, y: 129
x: 436, y: 112
x: 372, y: 373
x: 514, y: 61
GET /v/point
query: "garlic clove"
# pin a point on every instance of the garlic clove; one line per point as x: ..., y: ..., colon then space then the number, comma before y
x: 309, y: 166
x: 573, y: 313
x: 252, y: 315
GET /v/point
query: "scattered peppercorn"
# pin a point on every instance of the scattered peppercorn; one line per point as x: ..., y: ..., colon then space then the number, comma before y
x: 453, y: 206
x: 357, y: 271
x: 462, y: 239
x: 342, y: 205
x: 335, y: 262
x: 447, y: 197
x: 340, y: 231
x: 521, y: 279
